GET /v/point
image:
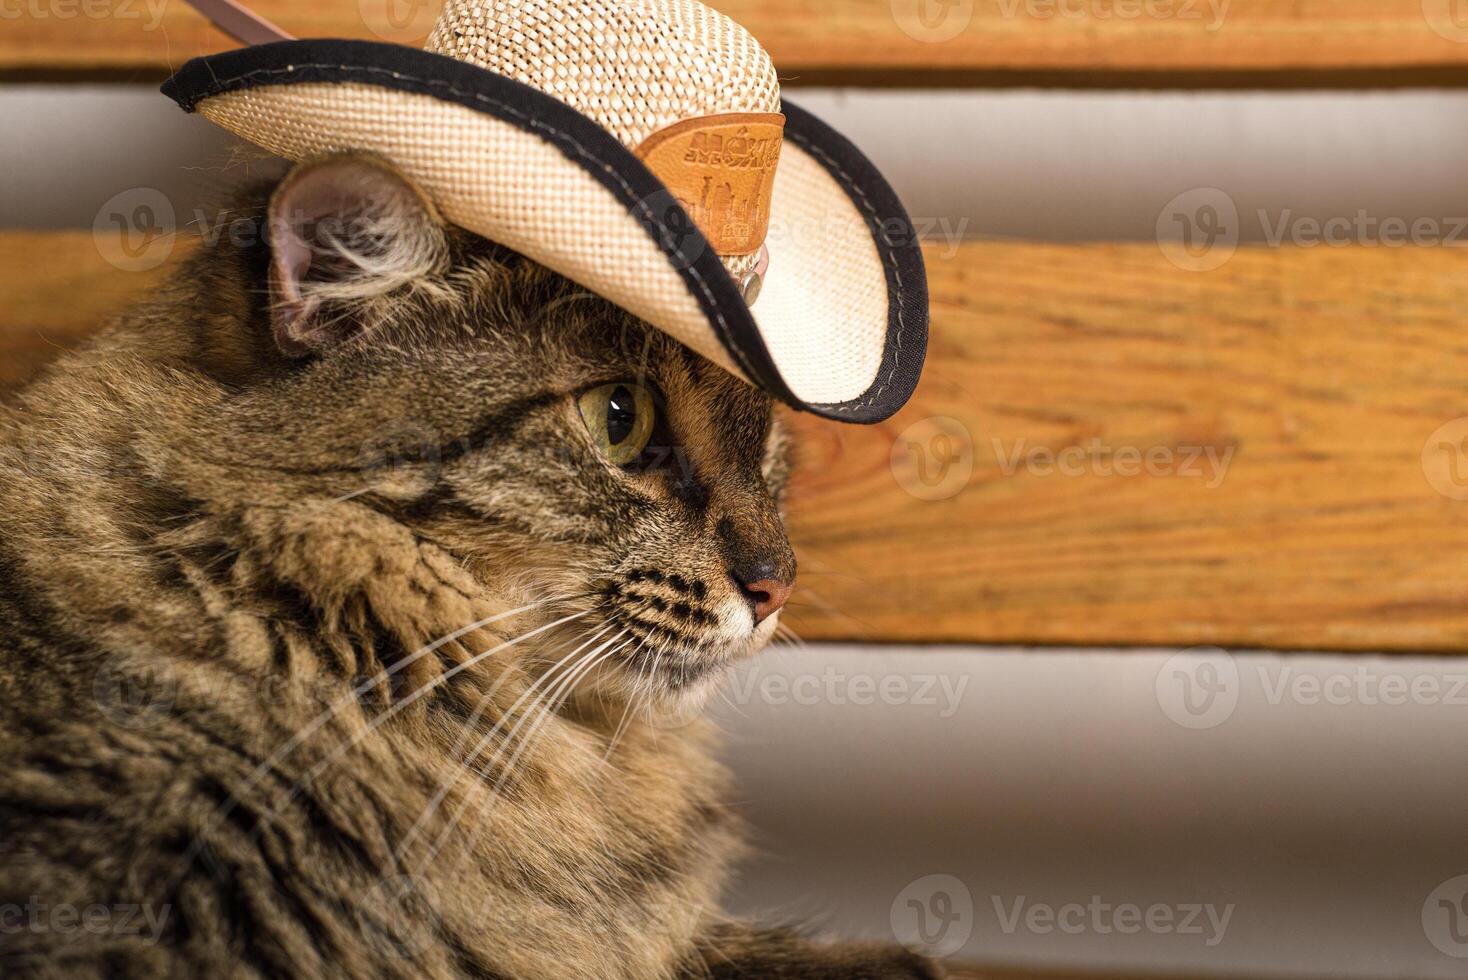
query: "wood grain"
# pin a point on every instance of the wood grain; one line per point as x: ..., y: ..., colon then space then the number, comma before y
x: 1323, y: 371
x: 55, y: 288
x: 1317, y: 374
x: 1213, y: 42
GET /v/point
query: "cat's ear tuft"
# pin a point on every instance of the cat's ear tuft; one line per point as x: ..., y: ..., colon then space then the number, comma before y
x: 344, y: 231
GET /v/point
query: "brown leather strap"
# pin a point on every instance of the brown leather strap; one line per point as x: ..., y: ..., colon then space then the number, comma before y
x: 239, y: 23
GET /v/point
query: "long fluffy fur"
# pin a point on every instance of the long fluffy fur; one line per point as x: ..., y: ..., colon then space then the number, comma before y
x: 294, y: 649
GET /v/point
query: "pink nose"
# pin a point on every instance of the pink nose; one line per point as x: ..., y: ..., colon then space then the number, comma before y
x: 768, y: 595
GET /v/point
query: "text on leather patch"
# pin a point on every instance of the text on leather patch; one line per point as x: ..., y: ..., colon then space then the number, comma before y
x: 721, y: 169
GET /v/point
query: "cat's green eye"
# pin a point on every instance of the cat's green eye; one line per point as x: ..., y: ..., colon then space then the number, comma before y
x: 621, y: 417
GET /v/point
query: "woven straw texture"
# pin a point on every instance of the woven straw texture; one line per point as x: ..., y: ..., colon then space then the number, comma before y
x: 823, y: 310
x: 488, y: 176
x: 634, y: 66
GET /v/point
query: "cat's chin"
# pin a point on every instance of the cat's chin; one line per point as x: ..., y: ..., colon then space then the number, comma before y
x: 672, y: 710
x: 673, y: 688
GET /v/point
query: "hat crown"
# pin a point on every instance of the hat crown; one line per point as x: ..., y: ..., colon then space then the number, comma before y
x: 633, y: 66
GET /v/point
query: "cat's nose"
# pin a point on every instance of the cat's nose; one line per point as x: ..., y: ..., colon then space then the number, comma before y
x: 765, y: 590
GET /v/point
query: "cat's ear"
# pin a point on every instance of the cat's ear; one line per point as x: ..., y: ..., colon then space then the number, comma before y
x: 344, y: 231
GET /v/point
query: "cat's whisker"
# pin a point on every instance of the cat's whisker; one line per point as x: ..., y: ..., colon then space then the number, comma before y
x: 536, y: 714
x: 534, y: 693
x: 513, y: 768
x: 627, y: 712
x: 558, y: 700
x: 640, y: 688
x: 657, y: 664
x: 404, y: 703
x: 819, y: 602
x: 555, y: 702
x: 813, y: 564
x: 223, y: 810
x: 738, y: 710
x: 790, y: 637
x: 547, y: 705
x: 466, y: 733
x: 647, y: 702
x: 352, y: 697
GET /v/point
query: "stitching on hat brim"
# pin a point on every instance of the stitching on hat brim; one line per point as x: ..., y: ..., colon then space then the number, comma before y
x: 905, y: 350
x: 591, y: 147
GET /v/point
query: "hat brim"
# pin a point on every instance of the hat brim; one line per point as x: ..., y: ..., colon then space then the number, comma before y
x: 840, y: 326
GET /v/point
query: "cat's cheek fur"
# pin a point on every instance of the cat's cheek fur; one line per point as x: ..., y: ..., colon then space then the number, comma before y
x: 392, y: 523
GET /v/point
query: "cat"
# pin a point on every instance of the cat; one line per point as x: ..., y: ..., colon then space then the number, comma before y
x: 358, y: 594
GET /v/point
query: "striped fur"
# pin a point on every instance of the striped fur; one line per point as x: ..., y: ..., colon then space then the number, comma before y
x: 277, y: 632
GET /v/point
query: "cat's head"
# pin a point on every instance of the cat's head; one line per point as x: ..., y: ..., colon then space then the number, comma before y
x: 561, y: 451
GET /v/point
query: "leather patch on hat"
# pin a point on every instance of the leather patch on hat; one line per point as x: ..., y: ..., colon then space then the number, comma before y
x: 721, y: 169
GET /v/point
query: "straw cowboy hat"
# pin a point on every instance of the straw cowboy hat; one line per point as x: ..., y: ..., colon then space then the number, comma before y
x: 638, y: 147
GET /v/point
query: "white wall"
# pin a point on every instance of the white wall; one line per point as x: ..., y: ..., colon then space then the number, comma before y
x: 1326, y: 816
x: 1047, y: 165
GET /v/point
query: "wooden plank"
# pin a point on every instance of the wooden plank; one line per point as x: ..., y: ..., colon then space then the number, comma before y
x: 1323, y: 372
x: 55, y: 288
x: 1064, y: 42
x: 1315, y: 377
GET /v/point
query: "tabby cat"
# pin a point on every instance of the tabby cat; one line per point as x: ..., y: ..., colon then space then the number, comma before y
x: 358, y: 595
